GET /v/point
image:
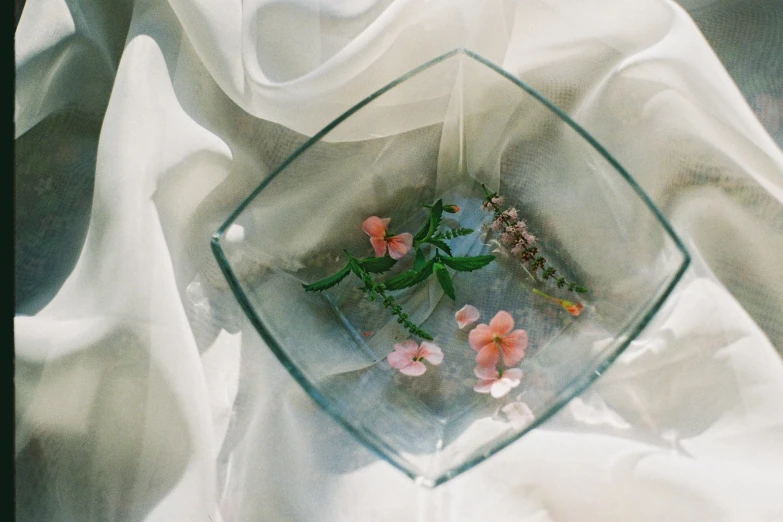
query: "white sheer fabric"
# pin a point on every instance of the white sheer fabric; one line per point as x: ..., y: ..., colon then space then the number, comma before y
x: 144, y: 394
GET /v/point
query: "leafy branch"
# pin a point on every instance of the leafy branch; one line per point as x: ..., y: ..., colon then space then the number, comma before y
x: 422, y: 269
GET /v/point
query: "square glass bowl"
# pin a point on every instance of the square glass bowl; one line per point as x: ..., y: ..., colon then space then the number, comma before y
x: 440, y: 132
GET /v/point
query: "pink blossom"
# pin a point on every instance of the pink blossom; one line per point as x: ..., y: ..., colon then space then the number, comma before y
x: 398, y: 245
x: 508, y: 239
x: 497, y: 201
x: 496, y: 339
x: 407, y: 357
x: 497, y: 225
x: 496, y: 383
x: 466, y: 315
x: 510, y: 214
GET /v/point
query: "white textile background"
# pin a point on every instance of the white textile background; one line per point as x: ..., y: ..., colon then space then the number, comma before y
x: 144, y: 394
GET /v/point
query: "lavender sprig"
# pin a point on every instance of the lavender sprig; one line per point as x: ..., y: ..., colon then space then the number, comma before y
x: 515, y: 236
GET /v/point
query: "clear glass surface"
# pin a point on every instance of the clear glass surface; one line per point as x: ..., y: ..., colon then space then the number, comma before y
x: 464, y: 123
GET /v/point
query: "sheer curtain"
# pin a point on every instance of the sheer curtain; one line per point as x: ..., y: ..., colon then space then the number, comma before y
x: 142, y: 393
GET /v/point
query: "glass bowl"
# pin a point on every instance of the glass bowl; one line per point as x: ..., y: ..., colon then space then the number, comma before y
x: 452, y: 130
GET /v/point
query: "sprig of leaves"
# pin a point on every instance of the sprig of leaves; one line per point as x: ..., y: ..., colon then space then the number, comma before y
x: 437, y: 265
x: 422, y: 269
x: 371, y: 264
x: 363, y: 268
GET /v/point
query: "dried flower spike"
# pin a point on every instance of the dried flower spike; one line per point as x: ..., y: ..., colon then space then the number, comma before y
x: 519, y: 242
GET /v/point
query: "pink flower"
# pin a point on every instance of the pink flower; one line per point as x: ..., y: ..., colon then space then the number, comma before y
x: 407, y: 357
x: 510, y: 214
x: 466, y: 315
x: 496, y: 383
x: 398, y: 245
x: 490, y: 341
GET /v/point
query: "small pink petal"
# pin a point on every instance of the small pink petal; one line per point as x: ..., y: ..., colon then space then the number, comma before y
x: 513, y: 347
x: 483, y: 386
x: 573, y: 308
x: 379, y: 245
x: 519, y: 414
x: 399, y: 245
x: 480, y: 336
x: 500, y: 388
x: 431, y: 352
x: 398, y: 359
x: 502, y: 323
x: 488, y: 356
x: 466, y: 315
x: 414, y: 369
x: 486, y: 373
x: 513, y: 374
x: 374, y: 226
x: 408, y: 347
x: 517, y: 338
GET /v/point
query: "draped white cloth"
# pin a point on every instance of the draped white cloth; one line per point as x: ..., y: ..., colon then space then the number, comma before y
x: 142, y: 392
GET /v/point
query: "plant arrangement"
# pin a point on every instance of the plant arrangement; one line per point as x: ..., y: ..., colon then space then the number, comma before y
x: 498, y: 345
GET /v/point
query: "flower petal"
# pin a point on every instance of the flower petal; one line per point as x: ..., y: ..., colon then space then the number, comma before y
x: 483, y: 386
x: 513, y: 346
x: 511, y: 383
x: 398, y: 359
x: 488, y: 356
x: 502, y: 323
x: 379, y: 245
x: 466, y: 315
x: 399, y: 245
x: 374, y: 226
x: 500, y: 388
x: 431, y: 352
x: 414, y: 369
x: 515, y: 374
x: 519, y: 414
x: 480, y: 336
x: 408, y: 347
x: 573, y: 308
x: 486, y: 373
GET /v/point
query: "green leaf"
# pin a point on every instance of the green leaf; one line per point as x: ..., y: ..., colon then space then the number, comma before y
x: 436, y: 214
x: 419, y: 261
x: 422, y: 233
x: 328, y: 282
x: 441, y: 245
x: 409, y: 278
x: 445, y: 280
x: 467, y: 264
x: 376, y: 265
